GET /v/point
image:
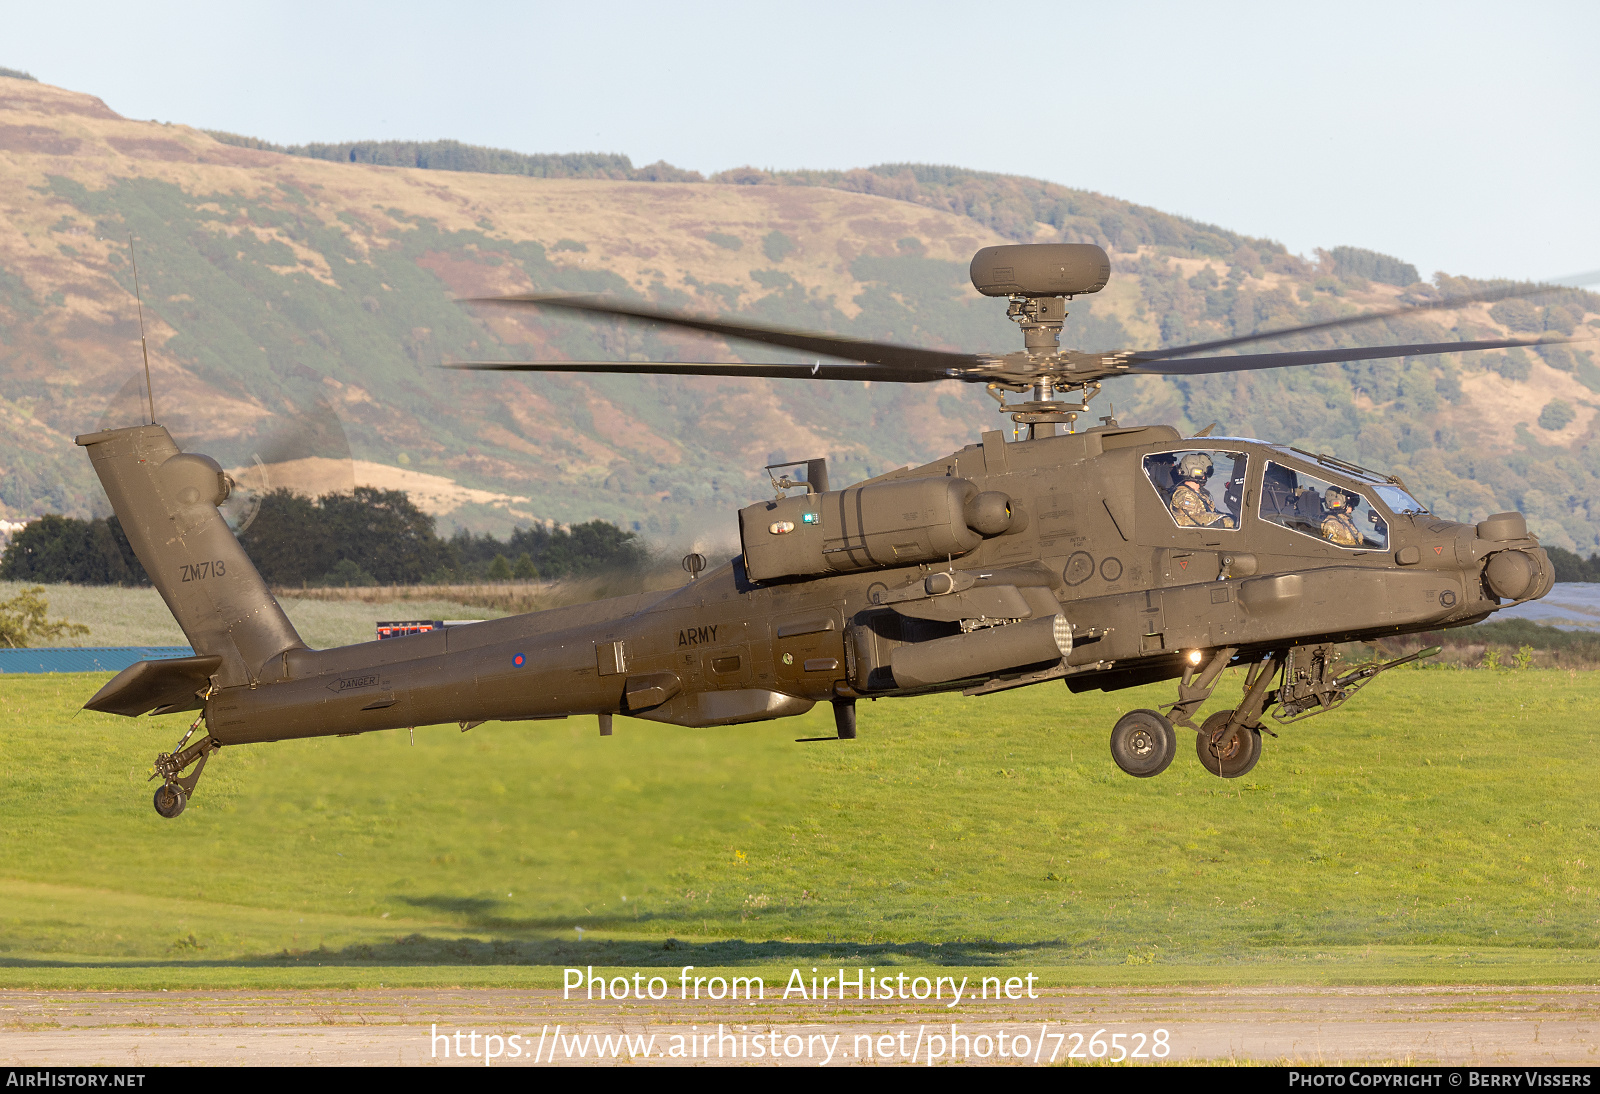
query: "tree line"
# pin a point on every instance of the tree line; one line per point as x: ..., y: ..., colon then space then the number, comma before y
x: 449, y: 155
x: 1570, y: 566
x: 371, y: 537
x: 56, y: 549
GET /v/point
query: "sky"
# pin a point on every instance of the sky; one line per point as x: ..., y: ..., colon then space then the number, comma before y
x: 1457, y: 136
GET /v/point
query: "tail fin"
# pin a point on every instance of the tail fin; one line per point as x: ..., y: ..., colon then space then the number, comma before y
x: 167, y: 502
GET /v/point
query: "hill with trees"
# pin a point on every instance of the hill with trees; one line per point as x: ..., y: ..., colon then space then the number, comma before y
x: 275, y: 278
x: 368, y: 537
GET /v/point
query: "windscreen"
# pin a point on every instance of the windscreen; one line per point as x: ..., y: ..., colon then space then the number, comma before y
x: 1399, y: 501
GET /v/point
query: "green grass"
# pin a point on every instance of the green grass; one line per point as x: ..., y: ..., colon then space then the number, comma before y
x: 1441, y: 827
x: 137, y: 617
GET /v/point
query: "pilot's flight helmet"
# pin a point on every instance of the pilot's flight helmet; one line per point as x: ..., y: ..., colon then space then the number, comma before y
x: 1335, y: 499
x: 1195, y: 467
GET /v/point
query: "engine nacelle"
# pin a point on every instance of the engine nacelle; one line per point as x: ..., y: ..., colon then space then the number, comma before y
x: 868, y: 527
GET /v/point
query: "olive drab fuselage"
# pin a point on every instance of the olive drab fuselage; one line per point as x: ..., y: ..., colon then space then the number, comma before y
x: 1080, y: 573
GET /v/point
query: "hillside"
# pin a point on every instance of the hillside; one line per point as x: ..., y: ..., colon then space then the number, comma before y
x: 274, y: 281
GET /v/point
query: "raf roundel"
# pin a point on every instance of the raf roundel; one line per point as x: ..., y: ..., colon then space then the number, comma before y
x: 517, y: 659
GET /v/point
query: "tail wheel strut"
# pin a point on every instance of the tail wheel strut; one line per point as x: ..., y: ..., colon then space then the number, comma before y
x: 177, y: 788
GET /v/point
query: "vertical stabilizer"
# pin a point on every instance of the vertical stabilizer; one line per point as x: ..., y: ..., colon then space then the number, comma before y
x: 167, y: 502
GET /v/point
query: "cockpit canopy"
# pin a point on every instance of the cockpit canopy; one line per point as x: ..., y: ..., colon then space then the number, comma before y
x: 1206, y: 488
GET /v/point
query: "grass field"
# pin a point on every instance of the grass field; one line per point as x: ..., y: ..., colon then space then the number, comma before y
x: 1440, y: 827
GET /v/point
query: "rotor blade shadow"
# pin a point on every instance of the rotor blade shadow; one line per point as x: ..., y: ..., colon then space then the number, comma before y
x: 672, y: 953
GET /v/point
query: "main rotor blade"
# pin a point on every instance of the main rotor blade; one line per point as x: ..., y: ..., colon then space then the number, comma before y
x: 1444, y: 304
x: 818, y: 371
x: 1195, y: 366
x: 934, y: 361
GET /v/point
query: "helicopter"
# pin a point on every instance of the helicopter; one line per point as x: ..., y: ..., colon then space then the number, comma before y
x: 1106, y: 558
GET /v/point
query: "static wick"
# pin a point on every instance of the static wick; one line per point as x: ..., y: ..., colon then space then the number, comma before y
x: 149, y: 390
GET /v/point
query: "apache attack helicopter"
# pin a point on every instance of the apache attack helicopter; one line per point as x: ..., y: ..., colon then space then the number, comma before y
x: 1106, y: 558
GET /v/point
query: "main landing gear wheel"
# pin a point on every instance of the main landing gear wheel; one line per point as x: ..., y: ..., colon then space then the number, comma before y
x: 1240, y: 755
x: 1143, y: 743
x: 170, y: 800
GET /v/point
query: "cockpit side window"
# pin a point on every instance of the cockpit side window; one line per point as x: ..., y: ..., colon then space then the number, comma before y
x: 1332, y: 512
x: 1201, y: 488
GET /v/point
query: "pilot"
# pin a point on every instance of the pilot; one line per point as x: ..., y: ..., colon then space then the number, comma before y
x: 1337, y: 525
x: 1191, y: 503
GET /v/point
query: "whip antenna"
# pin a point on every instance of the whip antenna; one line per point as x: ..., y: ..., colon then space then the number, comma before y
x: 150, y: 392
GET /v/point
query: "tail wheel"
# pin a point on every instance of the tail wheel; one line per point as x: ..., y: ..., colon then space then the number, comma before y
x: 170, y: 800
x: 1143, y: 743
x: 1237, y: 758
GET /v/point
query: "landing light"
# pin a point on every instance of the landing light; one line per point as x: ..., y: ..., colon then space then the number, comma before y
x: 1194, y: 657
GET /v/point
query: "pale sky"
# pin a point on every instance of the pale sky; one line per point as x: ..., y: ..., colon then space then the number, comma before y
x: 1458, y: 136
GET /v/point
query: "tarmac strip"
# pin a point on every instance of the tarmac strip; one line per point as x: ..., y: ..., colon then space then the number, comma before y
x: 1363, y: 1025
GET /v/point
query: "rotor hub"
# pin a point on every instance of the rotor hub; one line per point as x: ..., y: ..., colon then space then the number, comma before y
x: 1040, y: 318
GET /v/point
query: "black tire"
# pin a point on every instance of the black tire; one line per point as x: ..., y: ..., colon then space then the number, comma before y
x: 170, y: 800
x: 1239, y: 759
x: 1143, y: 743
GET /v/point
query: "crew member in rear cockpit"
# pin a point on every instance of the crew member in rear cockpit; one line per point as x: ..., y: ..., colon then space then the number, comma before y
x: 1191, y: 503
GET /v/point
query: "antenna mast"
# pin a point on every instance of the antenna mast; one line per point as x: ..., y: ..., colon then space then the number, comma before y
x: 150, y: 392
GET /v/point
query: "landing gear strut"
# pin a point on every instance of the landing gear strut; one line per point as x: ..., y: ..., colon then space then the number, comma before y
x: 1229, y: 743
x: 1143, y: 742
x: 1192, y: 692
x: 177, y: 788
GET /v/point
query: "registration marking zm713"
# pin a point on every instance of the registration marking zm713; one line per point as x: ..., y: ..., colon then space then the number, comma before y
x: 199, y: 571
